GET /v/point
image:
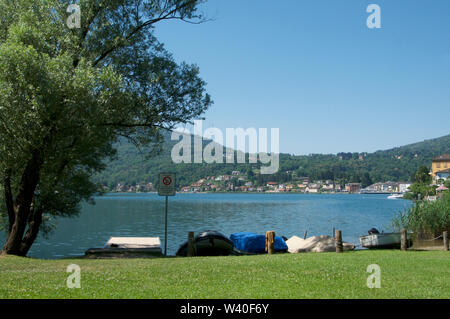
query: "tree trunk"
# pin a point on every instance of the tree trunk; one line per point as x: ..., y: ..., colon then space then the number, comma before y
x: 32, y: 232
x: 22, y: 206
x: 9, y: 199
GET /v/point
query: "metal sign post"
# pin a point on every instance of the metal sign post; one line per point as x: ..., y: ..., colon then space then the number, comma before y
x: 166, y: 187
x: 165, y: 228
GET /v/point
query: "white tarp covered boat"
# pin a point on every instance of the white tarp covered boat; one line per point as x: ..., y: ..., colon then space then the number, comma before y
x: 315, y: 244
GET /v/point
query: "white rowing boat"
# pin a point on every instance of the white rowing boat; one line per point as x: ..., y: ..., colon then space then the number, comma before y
x: 384, y: 240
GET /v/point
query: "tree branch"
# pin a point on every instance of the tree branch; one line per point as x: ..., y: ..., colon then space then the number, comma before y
x: 96, y: 11
x: 148, y: 23
x: 132, y: 125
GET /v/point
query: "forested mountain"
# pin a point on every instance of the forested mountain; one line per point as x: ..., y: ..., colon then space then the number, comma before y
x: 396, y: 164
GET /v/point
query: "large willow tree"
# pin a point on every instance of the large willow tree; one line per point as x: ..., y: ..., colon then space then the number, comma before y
x: 67, y: 95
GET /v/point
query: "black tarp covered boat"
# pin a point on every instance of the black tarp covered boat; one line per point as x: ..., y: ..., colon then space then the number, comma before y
x: 209, y: 243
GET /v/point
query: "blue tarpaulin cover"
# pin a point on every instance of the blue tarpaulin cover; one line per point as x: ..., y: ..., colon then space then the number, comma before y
x: 254, y: 243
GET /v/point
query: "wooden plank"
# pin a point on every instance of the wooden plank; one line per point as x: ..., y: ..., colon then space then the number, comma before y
x: 123, y: 252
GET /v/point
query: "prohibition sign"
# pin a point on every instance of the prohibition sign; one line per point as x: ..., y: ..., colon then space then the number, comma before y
x: 167, y: 180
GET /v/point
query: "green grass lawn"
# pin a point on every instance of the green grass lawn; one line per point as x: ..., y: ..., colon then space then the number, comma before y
x: 411, y: 274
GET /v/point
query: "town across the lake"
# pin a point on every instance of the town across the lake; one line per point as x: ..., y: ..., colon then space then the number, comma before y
x: 247, y: 182
x: 238, y: 182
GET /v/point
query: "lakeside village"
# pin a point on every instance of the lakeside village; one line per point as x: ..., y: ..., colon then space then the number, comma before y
x: 237, y: 182
x: 240, y: 182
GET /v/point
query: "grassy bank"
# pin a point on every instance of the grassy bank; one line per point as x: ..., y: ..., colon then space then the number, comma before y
x: 314, y: 275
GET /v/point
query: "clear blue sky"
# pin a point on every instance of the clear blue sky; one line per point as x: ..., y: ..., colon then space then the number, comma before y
x: 313, y: 69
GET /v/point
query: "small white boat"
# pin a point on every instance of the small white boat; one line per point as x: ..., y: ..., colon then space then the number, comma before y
x: 127, y: 247
x: 133, y: 242
x: 384, y: 240
x: 395, y: 196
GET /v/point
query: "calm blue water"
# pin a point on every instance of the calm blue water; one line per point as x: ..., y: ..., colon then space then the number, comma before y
x: 286, y: 214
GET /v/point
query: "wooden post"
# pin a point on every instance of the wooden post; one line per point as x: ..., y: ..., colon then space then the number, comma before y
x: 306, y: 233
x: 403, y: 245
x: 334, y: 232
x: 270, y: 242
x: 191, y: 245
x: 445, y: 235
x: 339, y: 246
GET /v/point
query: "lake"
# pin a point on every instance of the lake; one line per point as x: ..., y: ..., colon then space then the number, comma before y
x: 142, y: 215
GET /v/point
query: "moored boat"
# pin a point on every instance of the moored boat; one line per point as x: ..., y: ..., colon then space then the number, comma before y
x: 252, y: 243
x: 383, y: 240
x: 127, y: 247
x: 395, y: 196
x: 209, y: 243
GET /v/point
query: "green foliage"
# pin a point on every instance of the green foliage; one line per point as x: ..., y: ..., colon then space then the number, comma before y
x: 421, y: 187
x: 422, y: 176
x: 68, y: 95
x: 427, y: 219
x: 447, y: 183
x: 421, y: 190
x: 381, y: 166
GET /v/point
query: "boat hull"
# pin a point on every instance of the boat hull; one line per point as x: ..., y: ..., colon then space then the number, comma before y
x: 209, y: 243
x: 396, y: 196
x: 380, y: 241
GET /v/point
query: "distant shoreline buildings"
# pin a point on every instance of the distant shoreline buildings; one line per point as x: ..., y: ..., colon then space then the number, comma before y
x: 240, y: 182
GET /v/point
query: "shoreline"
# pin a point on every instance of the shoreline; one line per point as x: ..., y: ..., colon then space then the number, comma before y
x: 283, y: 193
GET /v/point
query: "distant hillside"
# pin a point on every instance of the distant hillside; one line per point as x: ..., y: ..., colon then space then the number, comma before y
x: 396, y: 164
